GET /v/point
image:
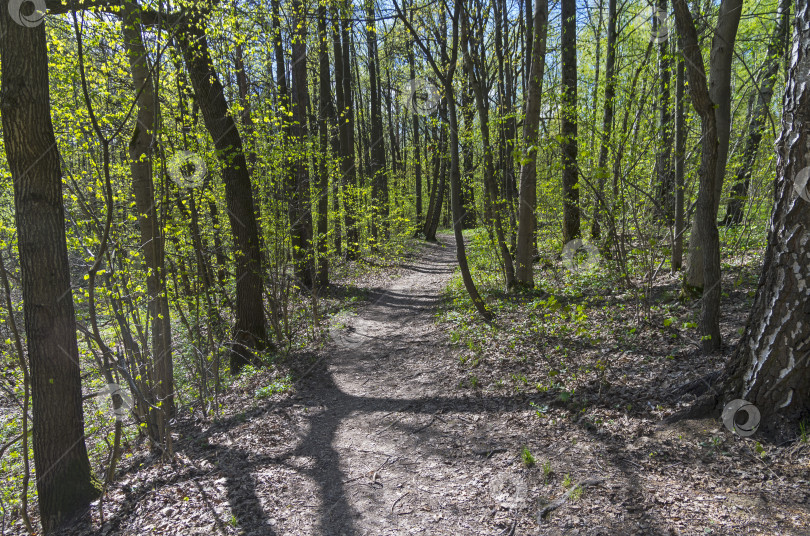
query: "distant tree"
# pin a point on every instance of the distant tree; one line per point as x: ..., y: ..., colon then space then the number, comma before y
x: 570, y: 169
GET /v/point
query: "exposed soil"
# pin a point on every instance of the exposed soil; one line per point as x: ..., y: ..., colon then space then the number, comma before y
x: 379, y: 437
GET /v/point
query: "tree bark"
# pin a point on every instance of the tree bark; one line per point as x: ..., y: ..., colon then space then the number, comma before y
x: 141, y: 145
x: 607, y: 121
x: 721, y: 56
x: 325, y: 112
x: 379, y: 184
x: 707, y: 108
x: 770, y: 367
x: 680, y: 154
x: 345, y: 117
x: 65, y: 486
x: 300, y: 207
x: 570, y: 172
x: 249, y: 332
x: 528, y: 174
x: 473, y: 62
x: 663, y: 163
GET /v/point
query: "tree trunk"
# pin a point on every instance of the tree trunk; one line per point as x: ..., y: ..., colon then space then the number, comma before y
x: 379, y: 184
x: 325, y: 112
x: 568, y: 44
x: 249, y: 331
x: 708, y: 109
x: 769, y: 368
x: 300, y: 207
x: 472, y: 62
x: 680, y: 154
x: 609, y: 106
x: 528, y: 173
x: 64, y: 482
x: 415, y: 121
x: 663, y: 163
x: 343, y: 91
x: 439, y: 184
x: 467, y: 148
x: 756, y: 125
x: 161, y: 387
x: 720, y: 59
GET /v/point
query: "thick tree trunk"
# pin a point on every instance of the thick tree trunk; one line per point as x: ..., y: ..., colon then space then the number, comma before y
x: 770, y: 367
x: 528, y: 173
x: 250, y: 330
x: 570, y: 171
x: 141, y: 145
x: 759, y: 115
x: 64, y: 482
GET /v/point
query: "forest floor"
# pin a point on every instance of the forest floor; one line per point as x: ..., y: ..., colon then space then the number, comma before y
x: 379, y: 437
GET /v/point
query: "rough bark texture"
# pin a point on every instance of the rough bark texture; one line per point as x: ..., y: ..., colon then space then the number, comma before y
x: 64, y: 482
x: 249, y: 331
x: 570, y: 171
x: 770, y: 367
x: 528, y: 173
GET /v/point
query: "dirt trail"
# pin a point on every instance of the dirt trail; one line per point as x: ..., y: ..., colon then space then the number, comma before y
x: 387, y: 449
x: 380, y: 439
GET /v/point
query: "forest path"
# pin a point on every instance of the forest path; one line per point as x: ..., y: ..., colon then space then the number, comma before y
x: 394, y: 450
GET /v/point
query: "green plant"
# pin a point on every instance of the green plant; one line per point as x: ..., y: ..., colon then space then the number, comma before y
x: 279, y: 386
x: 567, y: 480
x: 803, y: 431
x: 546, y: 470
x: 527, y: 457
